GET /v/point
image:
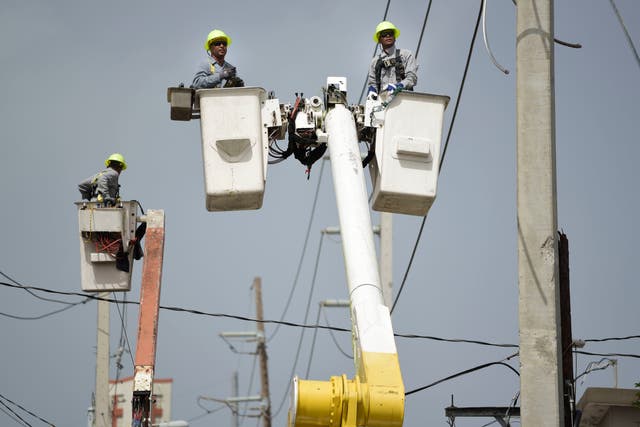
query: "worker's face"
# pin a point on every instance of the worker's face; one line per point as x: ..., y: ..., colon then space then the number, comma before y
x: 386, y: 38
x: 218, y: 48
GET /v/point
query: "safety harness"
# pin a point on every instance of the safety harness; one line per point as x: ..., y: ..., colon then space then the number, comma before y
x: 388, y: 63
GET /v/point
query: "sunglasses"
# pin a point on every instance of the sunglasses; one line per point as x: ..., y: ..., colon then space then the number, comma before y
x: 387, y: 34
x: 218, y: 43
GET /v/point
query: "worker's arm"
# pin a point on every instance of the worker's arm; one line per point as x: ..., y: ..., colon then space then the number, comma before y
x: 205, y: 79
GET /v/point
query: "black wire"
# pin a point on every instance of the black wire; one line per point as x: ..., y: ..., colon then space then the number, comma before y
x: 335, y: 341
x: 37, y: 296
x: 375, y: 49
x: 15, y: 414
x: 306, y: 315
x: 309, y: 326
x: 466, y: 371
x: 634, y: 356
x: 626, y: 33
x: 26, y: 410
x: 17, y: 420
x: 446, y: 144
x: 304, y: 249
x: 313, y: 341
x: 424, y: 24
x: 612, y: 339
x: 124, y: 329
x: 42, y: 316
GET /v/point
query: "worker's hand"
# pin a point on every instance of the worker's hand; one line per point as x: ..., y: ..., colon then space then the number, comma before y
x: 99, y: 198
x: 372, y: 93
x: 228, y: 73
x: 394, y: 88
x: 108, y: 201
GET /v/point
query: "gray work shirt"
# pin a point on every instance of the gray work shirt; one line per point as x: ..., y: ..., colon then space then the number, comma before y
x: 388, y: 74
x: 209, y: 74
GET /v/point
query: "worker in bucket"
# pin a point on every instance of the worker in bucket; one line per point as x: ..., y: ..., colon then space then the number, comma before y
x: 103, y: 187
x: 393, y: 69
x: 216, y: 72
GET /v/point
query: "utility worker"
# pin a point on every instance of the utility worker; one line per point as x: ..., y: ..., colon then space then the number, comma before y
x: 392, y: 69
x: 216, y: 72
x: 103, y: 187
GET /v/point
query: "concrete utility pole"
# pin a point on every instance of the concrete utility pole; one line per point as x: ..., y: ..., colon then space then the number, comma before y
x: 102, y: 417
x: 262, y: 353
x: 539, y: 300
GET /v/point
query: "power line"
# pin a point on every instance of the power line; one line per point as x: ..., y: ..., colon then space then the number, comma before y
x: 304, y: 249
x: 444, y: 151
x: 467, y: 371
x: 306, y: 315
x: 42, y: 316
x: 633, y: 356
x: 626, y: 33
x: 25, y: 410
x: 313, y: 326
x: 375, y: 49
x: 19, y: 419
x: 424, y: 24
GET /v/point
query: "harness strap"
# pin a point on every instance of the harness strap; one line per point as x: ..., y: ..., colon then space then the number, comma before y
x: 388, y: 63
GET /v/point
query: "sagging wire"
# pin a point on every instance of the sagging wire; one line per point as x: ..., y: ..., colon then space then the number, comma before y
x: 486, y: 41
x: 306, y: 315
x: 467, y: 371
x: 302, y: 254
x: 444, y: 151
x: 333, y: 337
x: 309, y: 326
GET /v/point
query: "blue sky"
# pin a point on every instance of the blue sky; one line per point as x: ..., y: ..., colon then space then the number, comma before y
x: 85, y: 79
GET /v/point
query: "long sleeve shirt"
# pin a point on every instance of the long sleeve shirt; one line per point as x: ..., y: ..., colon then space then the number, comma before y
x: 209, y: 75
x: 388, y: 74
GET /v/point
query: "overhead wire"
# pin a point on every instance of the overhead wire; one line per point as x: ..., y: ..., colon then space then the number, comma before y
x: 17, y: 418
x: 12, y: 416
x: 306, y: 315
x: 467, y: 371
x: 486, y: 41
x: 444, y: 151
x: 302, y: 254
x: 26, y: 410
x: 313, y: 326
x: 375, y: 50
x: 335, y: 341
x: 626, y: 32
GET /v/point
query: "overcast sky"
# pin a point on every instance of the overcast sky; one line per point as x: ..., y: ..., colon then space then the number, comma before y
x: 83, y: 79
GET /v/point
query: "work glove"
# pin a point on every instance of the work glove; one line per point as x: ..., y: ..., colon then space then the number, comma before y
x: 372, y: 93
x: 394, y: 88
x: 227, y: 73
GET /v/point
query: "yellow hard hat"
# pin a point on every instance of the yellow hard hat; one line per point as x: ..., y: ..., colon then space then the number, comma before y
x: 116, y: 157
x: 385, y: 25
x: 216, y: 34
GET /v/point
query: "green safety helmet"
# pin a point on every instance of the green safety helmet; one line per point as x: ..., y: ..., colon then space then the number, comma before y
x: 385, y: 25
x: 216, y: 34
x: 116, y: 157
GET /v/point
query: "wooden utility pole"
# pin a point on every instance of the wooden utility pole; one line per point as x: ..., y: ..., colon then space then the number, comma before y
x: 262, y: 353
x: 538, y: 283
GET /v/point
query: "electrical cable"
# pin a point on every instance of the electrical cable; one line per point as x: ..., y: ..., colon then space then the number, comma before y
x: 467, y: 371
x: 313, y: 341
x: 304, y: 250
x: 424, y: 25
x: 306, y: 315
x: 594, y: 366
x: 612, y: 339
x: 21, y: 420
x: 28, y: 291
x: 312, y: 326
x: 634, y: 356
x: 26, y: 410
x: 42, y: 316
x: 626, y: 33
x: 375, y: 49
x: 17, y: 420
x: 486, y: 41
x: 335, y: 341
x: 567, y: 44
x: 446, y: 144
x: 124, y: 329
